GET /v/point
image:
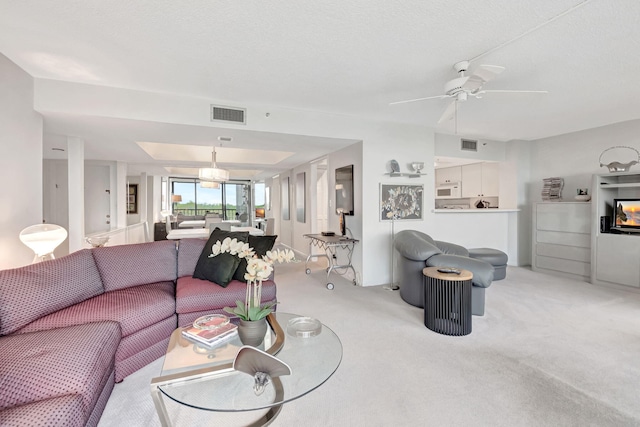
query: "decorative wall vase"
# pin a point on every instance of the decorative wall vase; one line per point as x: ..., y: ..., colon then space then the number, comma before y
x: 252, y: 332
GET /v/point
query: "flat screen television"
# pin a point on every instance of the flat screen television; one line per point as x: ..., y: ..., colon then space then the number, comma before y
x: 344, y: 190
x: 627, y: 214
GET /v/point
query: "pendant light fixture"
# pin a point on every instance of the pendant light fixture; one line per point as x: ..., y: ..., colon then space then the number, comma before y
x: 213, y: 173
x: 209, y: 184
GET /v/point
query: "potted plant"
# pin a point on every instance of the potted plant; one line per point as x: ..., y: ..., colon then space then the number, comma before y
x: 251, y: 312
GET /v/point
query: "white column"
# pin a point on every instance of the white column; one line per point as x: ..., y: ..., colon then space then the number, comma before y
x: 142, y: 203
x: 154, y: 200
x: 75, y: 150
x: 121, y: 195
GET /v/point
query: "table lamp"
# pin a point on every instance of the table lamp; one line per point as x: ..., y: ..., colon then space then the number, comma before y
x: 42, y: 239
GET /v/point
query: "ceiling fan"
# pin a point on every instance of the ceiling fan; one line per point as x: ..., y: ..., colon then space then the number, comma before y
x: 462, y: 87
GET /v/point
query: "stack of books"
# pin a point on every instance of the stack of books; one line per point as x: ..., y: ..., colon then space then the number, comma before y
x: 552, y: 189
x: 211, y: 337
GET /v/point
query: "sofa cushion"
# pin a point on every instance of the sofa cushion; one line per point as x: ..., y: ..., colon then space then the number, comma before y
x: 220, y: 268
x: 31, y: 292
x: 65, y: 411
x: 260, y: 245
x: 133, y: 308
x: 197, y: 295
x: 58, y: 362
x: 189, y: 251
x: 124, y: 266
x: 452, y: 248
x: 143, y: 347
x: 415, y: 245
x: 494, y: 257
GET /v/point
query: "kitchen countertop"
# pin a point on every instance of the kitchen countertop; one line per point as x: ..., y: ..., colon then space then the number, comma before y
x: 489, y: 210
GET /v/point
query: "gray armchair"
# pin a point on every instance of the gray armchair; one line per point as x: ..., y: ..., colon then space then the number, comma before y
x: 418, y: 250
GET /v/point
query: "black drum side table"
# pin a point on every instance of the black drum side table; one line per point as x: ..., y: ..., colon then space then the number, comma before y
x: 447, y: 301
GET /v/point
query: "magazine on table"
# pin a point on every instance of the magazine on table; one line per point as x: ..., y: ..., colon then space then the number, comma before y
x: 211, y: 336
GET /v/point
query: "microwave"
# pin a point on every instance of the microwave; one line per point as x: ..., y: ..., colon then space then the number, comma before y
x: 449, y: 191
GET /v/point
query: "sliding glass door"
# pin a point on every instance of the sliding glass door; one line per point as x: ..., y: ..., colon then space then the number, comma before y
x: 230, y: 201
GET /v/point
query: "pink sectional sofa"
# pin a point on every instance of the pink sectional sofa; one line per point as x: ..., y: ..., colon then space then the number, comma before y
x: 71, y: 327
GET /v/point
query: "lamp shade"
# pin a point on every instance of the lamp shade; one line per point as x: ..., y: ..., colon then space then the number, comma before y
x: 176, y: 198
x: 42, y: 239
x: 209, y: 184
x: 213, y: 174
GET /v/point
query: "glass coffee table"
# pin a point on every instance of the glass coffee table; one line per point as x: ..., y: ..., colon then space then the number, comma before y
x: 204, y: 378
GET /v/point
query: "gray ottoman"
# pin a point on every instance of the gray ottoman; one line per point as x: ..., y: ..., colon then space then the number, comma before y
x: 494, y: 257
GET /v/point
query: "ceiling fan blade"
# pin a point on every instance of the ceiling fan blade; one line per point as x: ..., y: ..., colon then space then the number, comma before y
x: 509, y: 91
x: 448, y: 112
x: 419, y: 99
x: 481, y: 75
x: 487, y: 72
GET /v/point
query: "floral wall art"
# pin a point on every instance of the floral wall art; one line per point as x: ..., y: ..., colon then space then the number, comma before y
x: 401, y: 202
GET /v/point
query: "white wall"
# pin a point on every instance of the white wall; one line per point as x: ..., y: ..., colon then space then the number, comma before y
x: 449, y: 146
x: 285, y: 229
x: 515, y: 176
x: 20, y: 163
x: 97, y: 197
x: 274, y: 185
x: 381, y: 142
x: 498, y: 230
x: 298, y: 229
x: 56, y: 198
x: 574, y: 156
x: 154, y: 200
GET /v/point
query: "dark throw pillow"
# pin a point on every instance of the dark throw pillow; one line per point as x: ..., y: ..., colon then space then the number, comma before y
x: 260, y: 245
x: 219, y: 269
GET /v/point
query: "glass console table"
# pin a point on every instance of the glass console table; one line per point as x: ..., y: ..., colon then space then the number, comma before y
x: 204, y: 378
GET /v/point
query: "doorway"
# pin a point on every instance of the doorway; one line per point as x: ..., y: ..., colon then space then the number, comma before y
x: 97, y: 199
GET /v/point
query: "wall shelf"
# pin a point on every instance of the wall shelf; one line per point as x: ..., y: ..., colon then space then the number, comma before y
x: 408, y: 175
x: 622, y: 185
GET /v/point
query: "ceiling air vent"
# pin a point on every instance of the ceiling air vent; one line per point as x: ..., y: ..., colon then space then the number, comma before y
x: 469, y: 145
x: 228, y: 114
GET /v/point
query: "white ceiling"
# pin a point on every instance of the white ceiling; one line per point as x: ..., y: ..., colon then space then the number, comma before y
x: 348, y: 57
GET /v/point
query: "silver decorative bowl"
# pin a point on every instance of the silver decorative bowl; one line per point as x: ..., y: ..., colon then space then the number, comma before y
x: 97, y: 241
x: 211, y: 321
x: 304, y: 327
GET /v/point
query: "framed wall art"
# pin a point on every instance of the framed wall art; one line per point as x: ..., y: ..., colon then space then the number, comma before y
x: 401, y: 202
x: 132, y: 199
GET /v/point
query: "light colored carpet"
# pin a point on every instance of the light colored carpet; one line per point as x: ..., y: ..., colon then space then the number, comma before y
x: 548, y: 352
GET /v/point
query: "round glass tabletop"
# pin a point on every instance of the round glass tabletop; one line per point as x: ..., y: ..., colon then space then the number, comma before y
x: 192, y: 378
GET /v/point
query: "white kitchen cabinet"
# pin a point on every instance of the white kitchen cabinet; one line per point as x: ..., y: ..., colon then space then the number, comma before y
x: 472, y: 180
x: 480, y: 180
x: 448, y: 175
x: 490, y: 179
